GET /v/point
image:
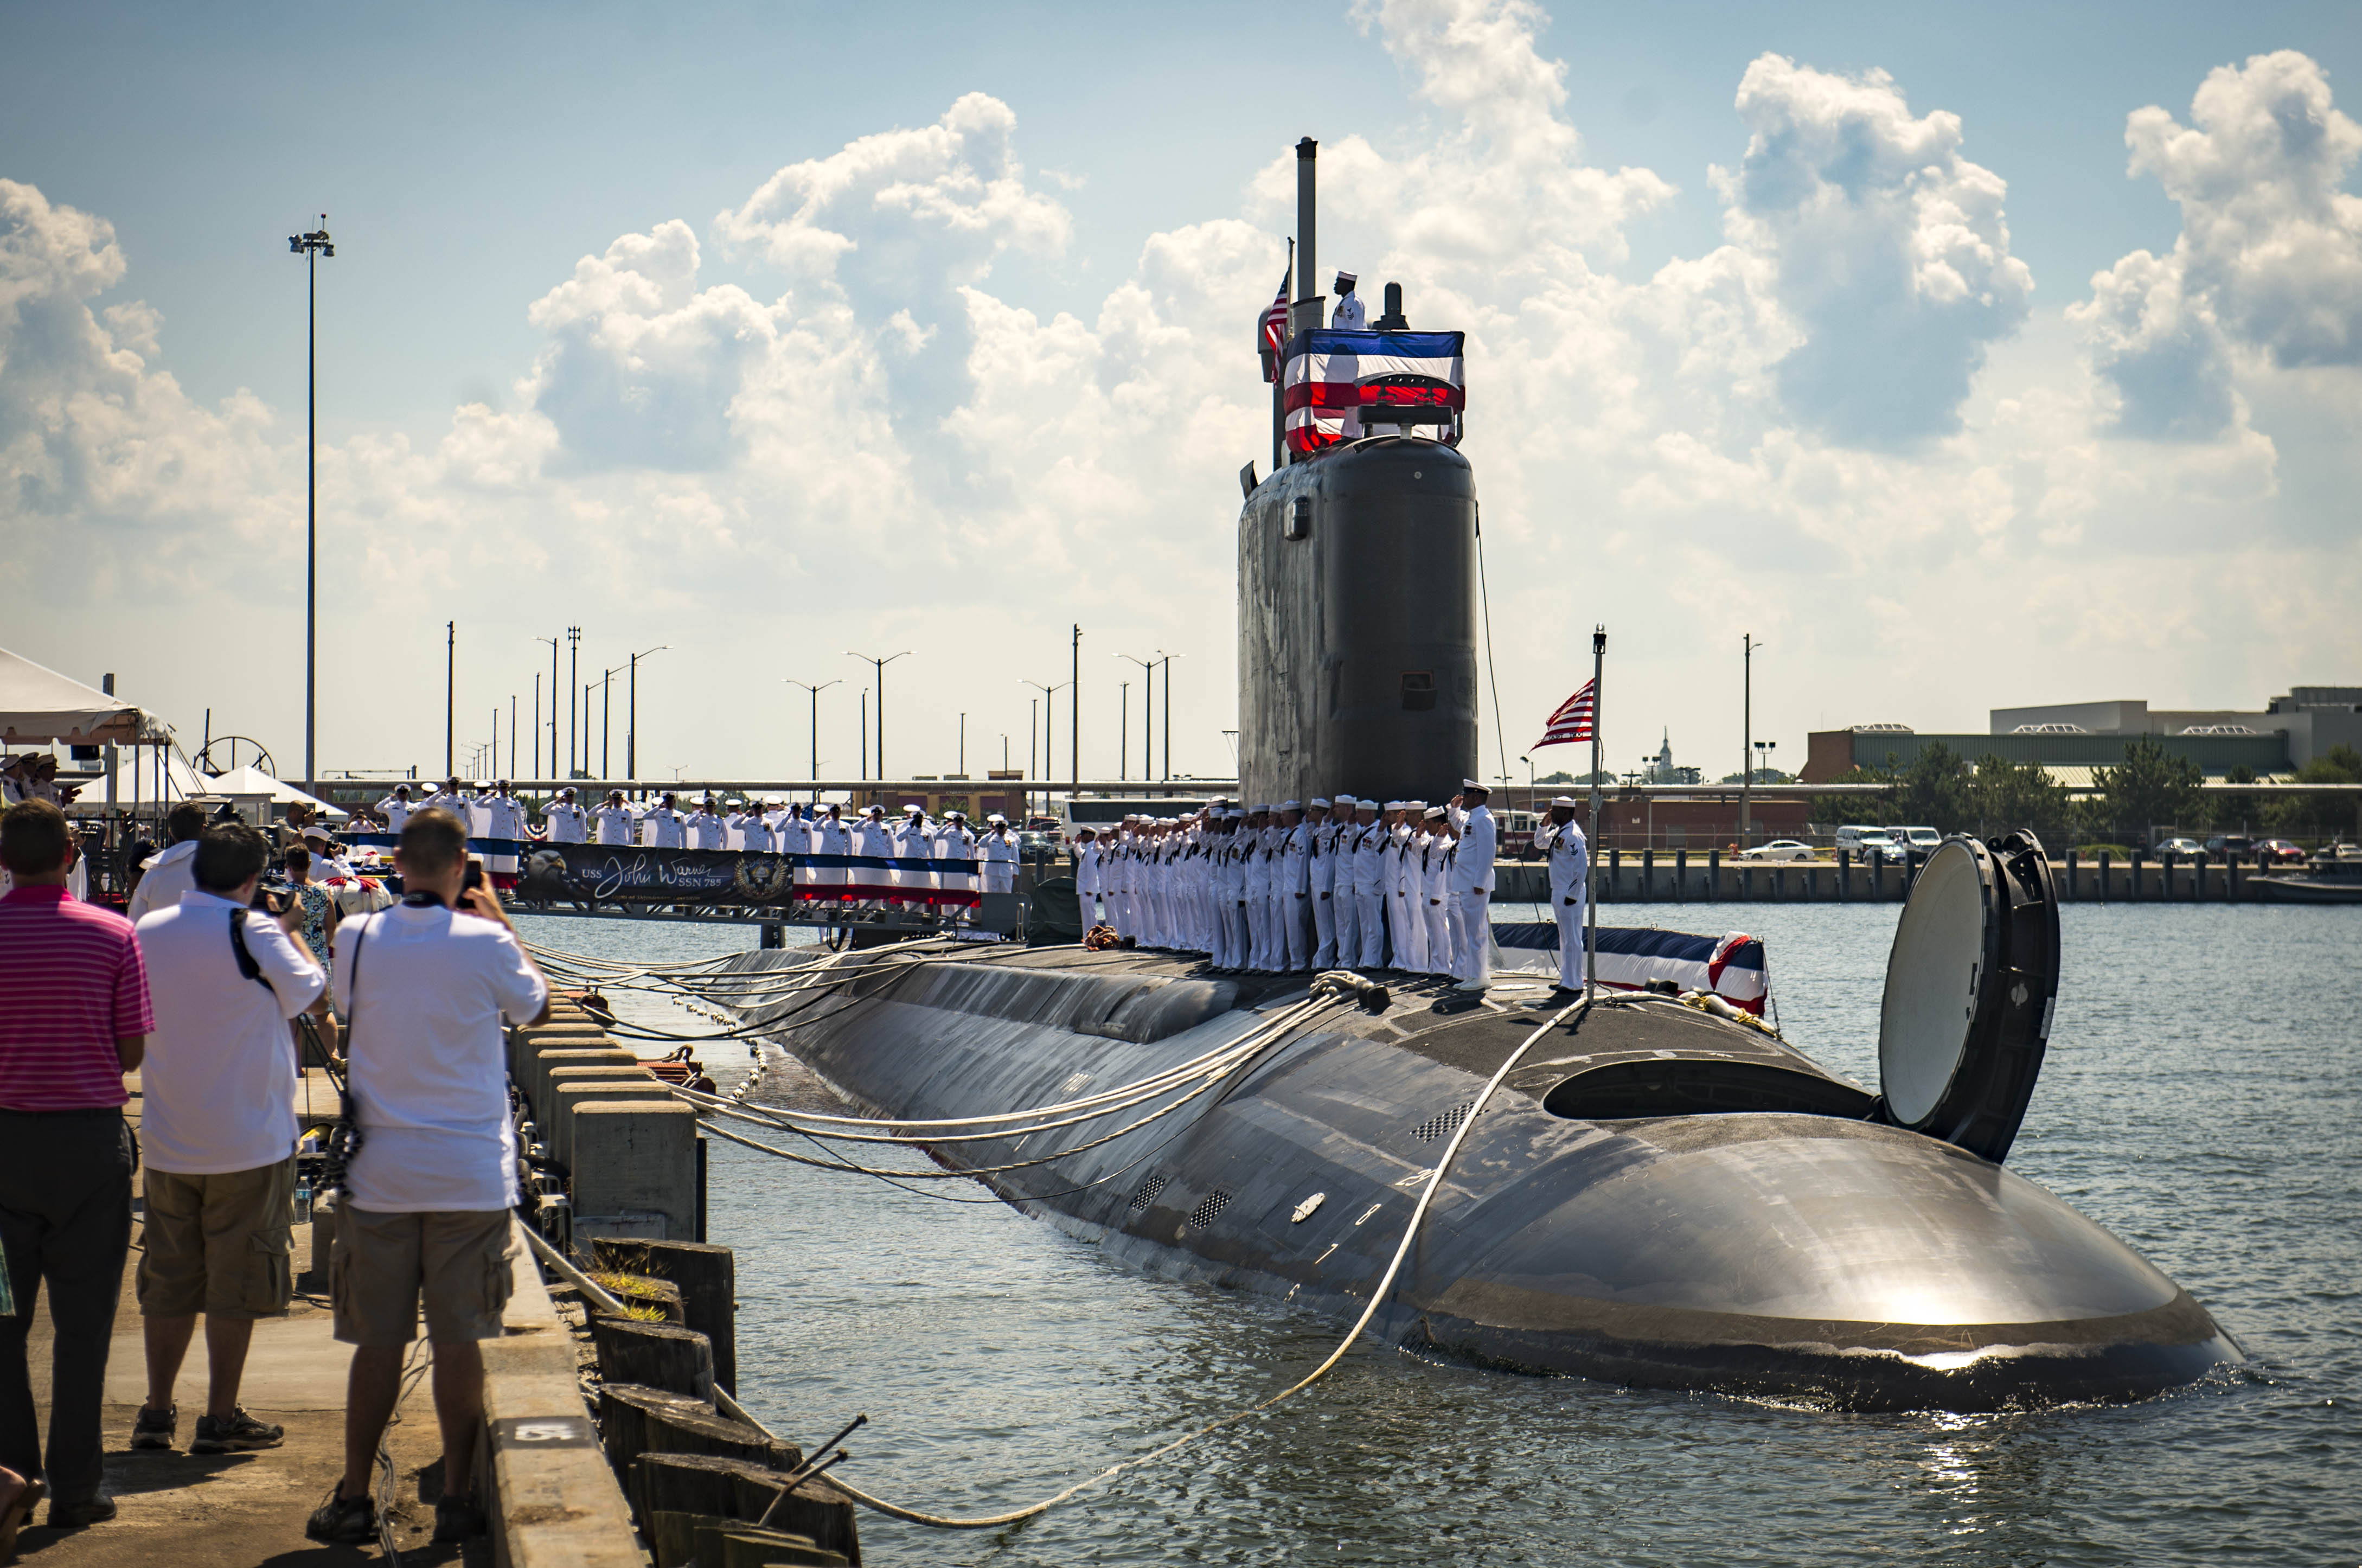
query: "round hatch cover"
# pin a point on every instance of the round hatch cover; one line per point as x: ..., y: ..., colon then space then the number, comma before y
x: 1947, y: 950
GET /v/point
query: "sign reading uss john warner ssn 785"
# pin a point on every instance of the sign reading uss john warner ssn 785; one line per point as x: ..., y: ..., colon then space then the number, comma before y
x: 607, y: 873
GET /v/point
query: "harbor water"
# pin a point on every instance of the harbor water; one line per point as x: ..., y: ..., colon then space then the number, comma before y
x: 2199, y: 1099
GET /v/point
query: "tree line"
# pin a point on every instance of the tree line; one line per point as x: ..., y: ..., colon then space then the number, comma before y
x: 2153, y: 788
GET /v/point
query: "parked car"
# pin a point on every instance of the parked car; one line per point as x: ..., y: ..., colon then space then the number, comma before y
x: 2281, y: 852
x: 2179, y: 849
x: 1779, y: 849
x: 2229, y: 846
x: 1865, y: 843
x: 1919, y: 841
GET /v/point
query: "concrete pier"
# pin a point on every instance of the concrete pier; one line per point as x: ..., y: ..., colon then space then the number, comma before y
x: 1675, y: 876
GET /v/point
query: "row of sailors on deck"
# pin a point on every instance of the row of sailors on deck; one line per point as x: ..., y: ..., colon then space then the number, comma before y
x: 784, y: 828
x: 1344, y: 883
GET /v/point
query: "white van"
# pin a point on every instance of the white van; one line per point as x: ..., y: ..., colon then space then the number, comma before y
x: 1863, y: 842
x: 1921, y: 841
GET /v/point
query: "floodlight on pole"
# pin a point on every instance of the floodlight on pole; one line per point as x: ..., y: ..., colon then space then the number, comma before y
x: 880, y: 664
x: 631, y: 714
x: 312, y: 245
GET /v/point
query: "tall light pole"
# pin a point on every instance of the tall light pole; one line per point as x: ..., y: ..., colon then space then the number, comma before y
x: 1074, y: 711
x: 1124, y: 732
x: 963, y: 745
x: 815, y: 691
x: 606, y: 711
x: 312, y: 247
x: 632, y: 715
x: 881, y: 664
x: 1049, y: 728
x: 1746, y: 646
x: 1147, y: 715
x: 536, y: 726
x: 1166, y: 660
x: 553, y: 706
x: 573, y: 690
x: 450, y: 686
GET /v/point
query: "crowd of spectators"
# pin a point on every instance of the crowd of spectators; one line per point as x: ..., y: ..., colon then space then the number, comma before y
x: 203, y: 992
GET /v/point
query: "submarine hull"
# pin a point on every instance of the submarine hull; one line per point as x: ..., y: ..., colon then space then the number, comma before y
x: 1654, y: 1197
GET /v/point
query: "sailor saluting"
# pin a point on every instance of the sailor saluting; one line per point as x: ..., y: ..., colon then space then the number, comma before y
x: 1563, y: 840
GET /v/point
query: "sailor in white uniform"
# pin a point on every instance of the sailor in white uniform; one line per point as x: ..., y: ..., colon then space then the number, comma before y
x: 503, y: 816
x: 831, y: 836
x: 1435, y: 865
x: 998, y: 850
x: 562, y: 821
x: 1295, y: 899
x: 662, y: 825
x: 755, y: 835
x: 1562, y: 838
x: 396, y: 809
x: 615, y: 822
x: 705, y: 829
x: 1370, y: 884
x: 1472, y: 883
x: 452, y: 799
x: 913, y: 840
x: 954, y: 841
x: 1347, y: 314
x: 1409, y: 910
x: 1321, y: 833
x: 1087, y: 875
x: 872, y: 838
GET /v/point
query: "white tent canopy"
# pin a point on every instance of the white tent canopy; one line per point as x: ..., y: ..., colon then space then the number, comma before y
x: 40, y: 707
x: 249, y: 783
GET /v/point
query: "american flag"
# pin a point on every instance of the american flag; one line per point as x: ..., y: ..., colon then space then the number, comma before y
x: 1344, y: 385
x: 1271, y: 332
x: 1572, y: 721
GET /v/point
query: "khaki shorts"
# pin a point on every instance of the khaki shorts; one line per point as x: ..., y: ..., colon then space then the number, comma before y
x: 383, y: 1264
x: 217, y: 1244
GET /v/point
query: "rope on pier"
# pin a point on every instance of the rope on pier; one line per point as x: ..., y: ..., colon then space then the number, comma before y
x: 1377, y: 1299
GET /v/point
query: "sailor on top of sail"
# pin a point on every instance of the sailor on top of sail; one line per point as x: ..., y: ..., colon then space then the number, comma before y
x: 1347, y: 315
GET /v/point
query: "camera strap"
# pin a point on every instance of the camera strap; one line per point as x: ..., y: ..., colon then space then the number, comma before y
x: 246, y: 964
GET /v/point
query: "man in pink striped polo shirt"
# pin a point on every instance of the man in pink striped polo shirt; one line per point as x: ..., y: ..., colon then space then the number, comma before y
x: 74, y: 1020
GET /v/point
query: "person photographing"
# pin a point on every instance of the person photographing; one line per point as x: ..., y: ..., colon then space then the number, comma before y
x: 426, y: 1214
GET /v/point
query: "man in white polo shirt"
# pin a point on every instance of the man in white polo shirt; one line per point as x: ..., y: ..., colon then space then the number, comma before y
x: 217, y: 1130
x: 426, y: 986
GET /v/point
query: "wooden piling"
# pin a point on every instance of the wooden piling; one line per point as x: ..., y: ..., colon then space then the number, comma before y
x: 663, y: 1356
x: 708, y: 1280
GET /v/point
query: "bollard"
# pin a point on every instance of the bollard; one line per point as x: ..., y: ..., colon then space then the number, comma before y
x: 2137, y: 875
x: 2074, y: 888
x: 1844, y: 876
x: 1680, y: 875
x: 635, y: 1170
x: 1615, y: 873
x: 2106, y: 869
x: 1648, y: 875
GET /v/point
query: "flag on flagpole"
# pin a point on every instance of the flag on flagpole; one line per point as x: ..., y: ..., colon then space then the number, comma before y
x: 1572, y: 721
x: 1271, y: 332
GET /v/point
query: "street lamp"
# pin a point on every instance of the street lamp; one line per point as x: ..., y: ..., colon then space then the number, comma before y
x: 1166, y: 660
x: 1049, y: 732
x: 1147, y: 713
x: 1529, y: 782
x: 880, y: 664
x: 573, y: 690
x: 553, y: 704
x: 1748, y: 647
x: 815, y: 691
x: 606, y: 715
x: 312, y: 247
x: 631, y: 714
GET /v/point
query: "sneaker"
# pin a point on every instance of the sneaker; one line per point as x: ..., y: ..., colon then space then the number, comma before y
x: 458, y: 1520
x: 153, y: 1429
x: 234, y: 1433
x: 343, y: 1521
x: 81, y: 1513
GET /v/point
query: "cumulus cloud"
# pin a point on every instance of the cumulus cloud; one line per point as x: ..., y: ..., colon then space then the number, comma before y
x: 1887, y: 248
x: 2268, y: 263
x: 97, y: 449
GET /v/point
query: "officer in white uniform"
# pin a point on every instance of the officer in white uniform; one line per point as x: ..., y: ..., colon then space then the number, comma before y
x: 1295, y: 899
x: 562, y: 821
x: 1344, y: 946
x: 830, y: 835
x: 452, y: 799
x: 661, y: 825
x: 1348, y: 315
x: 396, y: 809
x: 998, y: 850
x: 1405, y: 907
x: 615, y: 822
x: 954, y: 841
x: 503, y: 816
x: 1562, y: 838
x: 1472, y: 883
x: 871, y: 838
x: 1369, y: 883
x: 1087, y: 875
x: 755, y: 835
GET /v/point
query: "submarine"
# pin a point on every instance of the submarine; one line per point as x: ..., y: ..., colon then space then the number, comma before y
x: 1662, y: 1192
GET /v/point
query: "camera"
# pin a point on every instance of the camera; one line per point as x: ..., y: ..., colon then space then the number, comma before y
x: 273, y: 896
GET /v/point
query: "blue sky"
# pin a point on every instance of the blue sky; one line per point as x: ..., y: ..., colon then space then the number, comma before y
x: 470, y: 157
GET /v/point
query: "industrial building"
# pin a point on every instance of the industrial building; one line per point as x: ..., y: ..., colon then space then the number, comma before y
x: 2071, y: 739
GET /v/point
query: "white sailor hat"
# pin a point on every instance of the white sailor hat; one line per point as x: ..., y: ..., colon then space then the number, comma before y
x: 1322, y: 801
x: 1434, y: 811
x: 1474, y: 784
x: 996, y: 817
x: 1346, y: 800
x: 1291, y: 805
x: 913, y: 808
x: 1564, y: 801
x: 1264, y: 808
